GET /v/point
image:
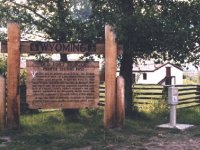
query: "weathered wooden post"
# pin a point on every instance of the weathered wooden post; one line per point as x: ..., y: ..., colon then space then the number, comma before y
x: 120, y: 111
x: 13, y: 103
x: 110, y: 77
x: 2, y: 102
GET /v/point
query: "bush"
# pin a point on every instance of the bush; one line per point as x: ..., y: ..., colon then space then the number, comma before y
x: 3, y: 65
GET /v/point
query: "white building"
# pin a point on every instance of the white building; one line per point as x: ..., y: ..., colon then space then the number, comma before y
x: 163, y: 74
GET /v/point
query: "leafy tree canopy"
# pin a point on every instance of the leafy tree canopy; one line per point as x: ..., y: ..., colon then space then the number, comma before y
x: 168, y: 29
x: 60, y: 20
x: 162, y: 29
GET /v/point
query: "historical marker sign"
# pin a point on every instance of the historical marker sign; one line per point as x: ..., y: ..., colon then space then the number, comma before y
x: 62, y: 84
x: 61, y: 48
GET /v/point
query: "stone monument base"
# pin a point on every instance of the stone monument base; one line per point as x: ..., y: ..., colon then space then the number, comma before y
x: 177, y: 126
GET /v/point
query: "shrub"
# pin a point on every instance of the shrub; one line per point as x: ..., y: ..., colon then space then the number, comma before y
x: 3, y: 65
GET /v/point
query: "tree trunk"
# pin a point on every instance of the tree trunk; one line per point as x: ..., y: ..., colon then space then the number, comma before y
x: 70, y: 113
x: 126, y: 72
x: 63, y: 58
x: 127, y: 58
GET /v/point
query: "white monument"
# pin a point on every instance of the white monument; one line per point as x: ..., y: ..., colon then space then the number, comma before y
x: 173, y: 101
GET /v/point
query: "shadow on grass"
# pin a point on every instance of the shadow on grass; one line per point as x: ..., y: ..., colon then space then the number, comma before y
x: 189, y: 115
x: 52, y: 130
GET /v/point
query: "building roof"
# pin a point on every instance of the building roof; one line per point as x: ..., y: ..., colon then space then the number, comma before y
x: 152, y: 67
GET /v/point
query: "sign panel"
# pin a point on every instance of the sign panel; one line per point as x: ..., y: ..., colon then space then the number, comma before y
x: 61, y: 48
x: 62, y: 84
x: 173, y: 95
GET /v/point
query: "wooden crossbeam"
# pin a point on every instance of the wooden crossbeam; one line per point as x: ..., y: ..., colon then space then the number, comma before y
x: 62, y: 48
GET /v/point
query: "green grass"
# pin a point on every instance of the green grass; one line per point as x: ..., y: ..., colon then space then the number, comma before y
x: 188, y: 81
x: 149, y: 98
x: 50, y: 130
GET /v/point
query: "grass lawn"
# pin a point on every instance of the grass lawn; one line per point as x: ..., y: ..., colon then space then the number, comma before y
x: 52, y: 131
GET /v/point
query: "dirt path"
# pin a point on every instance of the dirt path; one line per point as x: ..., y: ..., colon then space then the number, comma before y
x: 4, y: 141
x: 156, y: 143
x: 174, y: 140
x: 166, y: 140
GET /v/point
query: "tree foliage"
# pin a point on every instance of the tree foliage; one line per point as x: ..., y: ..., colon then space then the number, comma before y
x: 60, y: 20
x: 166, y: 28
x: 160, y: 29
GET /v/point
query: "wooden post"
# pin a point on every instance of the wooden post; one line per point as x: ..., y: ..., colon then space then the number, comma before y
x: 120, y: 112
x: 13, y: 69
x: 110, y: 77
x: 2, y: 102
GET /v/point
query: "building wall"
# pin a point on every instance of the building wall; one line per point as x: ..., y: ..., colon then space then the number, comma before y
x: 156, y: 76
x: 178, y: 75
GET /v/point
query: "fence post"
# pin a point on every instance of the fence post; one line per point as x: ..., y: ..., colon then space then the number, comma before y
x: 2, y: 102
x: 120, y: 112
x: 110, y: 77
x: 13, y: 69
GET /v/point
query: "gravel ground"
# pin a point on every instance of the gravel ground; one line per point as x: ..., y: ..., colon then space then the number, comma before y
x: 156, y: 143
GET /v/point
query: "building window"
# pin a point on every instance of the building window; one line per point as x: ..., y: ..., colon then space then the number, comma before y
x: 144, y: 76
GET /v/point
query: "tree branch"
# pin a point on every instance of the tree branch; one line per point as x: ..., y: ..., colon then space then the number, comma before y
x: 26, y: 7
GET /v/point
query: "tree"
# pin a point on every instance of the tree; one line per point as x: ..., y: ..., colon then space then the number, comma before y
x: 60, y: 20
x: 168, y: 29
